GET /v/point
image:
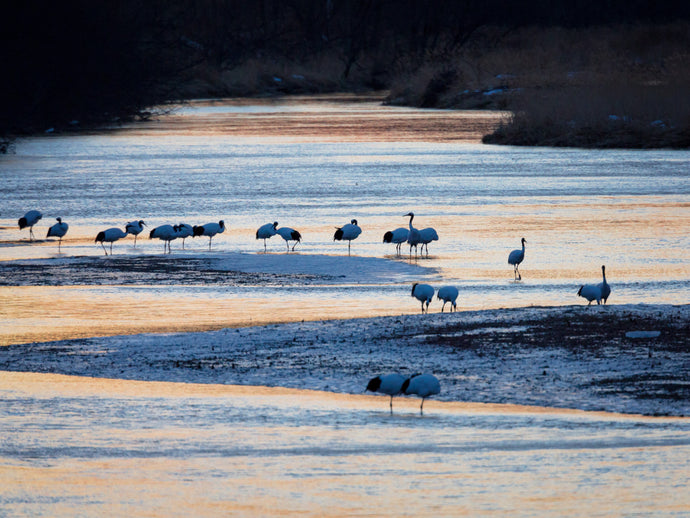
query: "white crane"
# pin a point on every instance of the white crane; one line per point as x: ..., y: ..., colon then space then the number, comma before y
x: 515, y: 258
x: 267, y: 231
x: 595, y: 291
x: 110, y: 236
x: 604, y: 286
x: 422, y: 385
x: 289, y: 234
x: 423, y: 293
x: 397, y: 236
x: 347, y: 233
x: 135, y: 228
x: 448, y: 294
x: 184, y: 231
x: 426, y: 236
x: 29, y: 220
x: 210, y: 230
x: 165, y: 233
x: 413, y: 237
x: 390, y: 384
x: 58, y: 230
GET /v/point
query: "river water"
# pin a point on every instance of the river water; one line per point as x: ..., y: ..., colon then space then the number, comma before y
x: 82, y: 447
x: 86, y: 446
x: 314, y: 164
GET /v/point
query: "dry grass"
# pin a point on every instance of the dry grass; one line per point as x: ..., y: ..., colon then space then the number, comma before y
x: 622, y: 86
x: 613, y: 115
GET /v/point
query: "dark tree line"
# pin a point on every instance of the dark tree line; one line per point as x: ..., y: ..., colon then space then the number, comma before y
x: 94, y: 62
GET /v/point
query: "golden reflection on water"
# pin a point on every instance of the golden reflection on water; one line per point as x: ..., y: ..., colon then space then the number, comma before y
x: 567, y: 241
x: 322, y: 467
x: 40, y: 314
x: 330, y: 118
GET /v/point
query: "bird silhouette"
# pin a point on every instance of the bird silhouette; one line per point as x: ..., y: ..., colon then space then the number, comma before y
x: 413, y: 237
x: 210, y: 230
x: 110, y: 235
x: 426, y: 236
x: 29, y: 220
x: 267, y: 231
x: 515, y: 258
x: 184, y: 231
x: 165, y: 233
x: 347, y: 233
x: 289, y: 234
x: 397, y: 236
x: 58, y: 230
x: 448, y: 294
x: 390, y: 384
x: 596, y: 292
x: 604, y: 286
x: 422, y: 385
x: 135, y: 228
x: 423, y: 293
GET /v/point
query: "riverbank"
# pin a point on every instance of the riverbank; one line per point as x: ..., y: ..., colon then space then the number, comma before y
x: 613, y: 85
x: 628, y: 359
x: 617, y: 86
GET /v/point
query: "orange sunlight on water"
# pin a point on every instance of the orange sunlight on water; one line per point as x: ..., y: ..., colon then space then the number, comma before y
x: 165, y: 449
x: 568, y: 237
x: 41, y: 314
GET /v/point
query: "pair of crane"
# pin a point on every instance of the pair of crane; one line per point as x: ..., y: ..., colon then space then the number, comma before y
x: 422, y: 385
x: 32, y: 217
x: 599, y: 292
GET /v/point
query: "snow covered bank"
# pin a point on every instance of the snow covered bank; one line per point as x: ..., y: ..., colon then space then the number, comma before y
x: 571, y: 357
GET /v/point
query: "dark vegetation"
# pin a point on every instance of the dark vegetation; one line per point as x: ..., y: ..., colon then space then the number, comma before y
x: 587, y: 73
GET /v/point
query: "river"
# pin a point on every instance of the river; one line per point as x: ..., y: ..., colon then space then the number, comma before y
x: 314, y: 164
x: 83, y: 446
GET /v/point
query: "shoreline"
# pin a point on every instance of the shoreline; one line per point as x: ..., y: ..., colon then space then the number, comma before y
x: 65, y: 385
x: 558, y: 357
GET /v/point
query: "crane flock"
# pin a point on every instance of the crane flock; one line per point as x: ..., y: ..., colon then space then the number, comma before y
x: 348, y: 232
x: 421, y: 385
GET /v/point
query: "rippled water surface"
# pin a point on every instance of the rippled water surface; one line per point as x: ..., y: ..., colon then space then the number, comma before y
x: 314, y: 164
x: 81, y: 446
x: 74, y: 446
